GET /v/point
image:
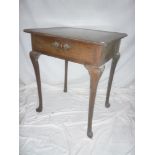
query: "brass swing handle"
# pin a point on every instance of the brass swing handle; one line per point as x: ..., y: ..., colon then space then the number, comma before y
x: 60, y: 46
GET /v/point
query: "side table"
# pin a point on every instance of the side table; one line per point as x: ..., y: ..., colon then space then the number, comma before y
x: 92, y: 48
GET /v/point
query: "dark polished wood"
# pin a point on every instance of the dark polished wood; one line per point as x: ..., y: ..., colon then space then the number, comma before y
x: 112, y: 70
x: 34, y: 59
x: 93, y: 48
x: 95, y: 74
x: 83, y: 53
x: 66, y: 76
x: 79, y: 34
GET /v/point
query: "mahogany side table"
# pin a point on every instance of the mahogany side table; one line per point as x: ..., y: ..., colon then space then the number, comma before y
x: 92, y: 48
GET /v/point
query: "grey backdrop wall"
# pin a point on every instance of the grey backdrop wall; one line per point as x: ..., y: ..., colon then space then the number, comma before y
x: 109, y: 15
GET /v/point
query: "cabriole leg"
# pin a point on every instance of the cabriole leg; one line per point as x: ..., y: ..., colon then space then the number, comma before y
x: 34, y: 59
x: 66, y: 73
x: 95, y: 74
x: 112, y: 70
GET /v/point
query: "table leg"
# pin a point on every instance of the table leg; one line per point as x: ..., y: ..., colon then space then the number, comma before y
x: 34, y: 59
x: 66, y: 73
x: 95, y: 74
x: 112, y: 70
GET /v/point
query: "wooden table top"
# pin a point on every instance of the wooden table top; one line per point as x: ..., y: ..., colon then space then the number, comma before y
x: 85, y: 35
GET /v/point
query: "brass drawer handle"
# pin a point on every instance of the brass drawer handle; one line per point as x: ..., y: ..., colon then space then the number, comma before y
x: 66, y: 47
x: 61, y: 46
x: 55, y: 44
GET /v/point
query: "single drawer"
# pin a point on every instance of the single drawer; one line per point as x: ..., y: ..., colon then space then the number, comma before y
x: 72, y: 50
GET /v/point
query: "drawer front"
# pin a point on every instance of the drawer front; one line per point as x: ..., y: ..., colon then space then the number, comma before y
x: 66, y: 49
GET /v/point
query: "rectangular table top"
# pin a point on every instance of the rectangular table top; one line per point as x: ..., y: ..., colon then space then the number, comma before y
x: 85, y: 35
